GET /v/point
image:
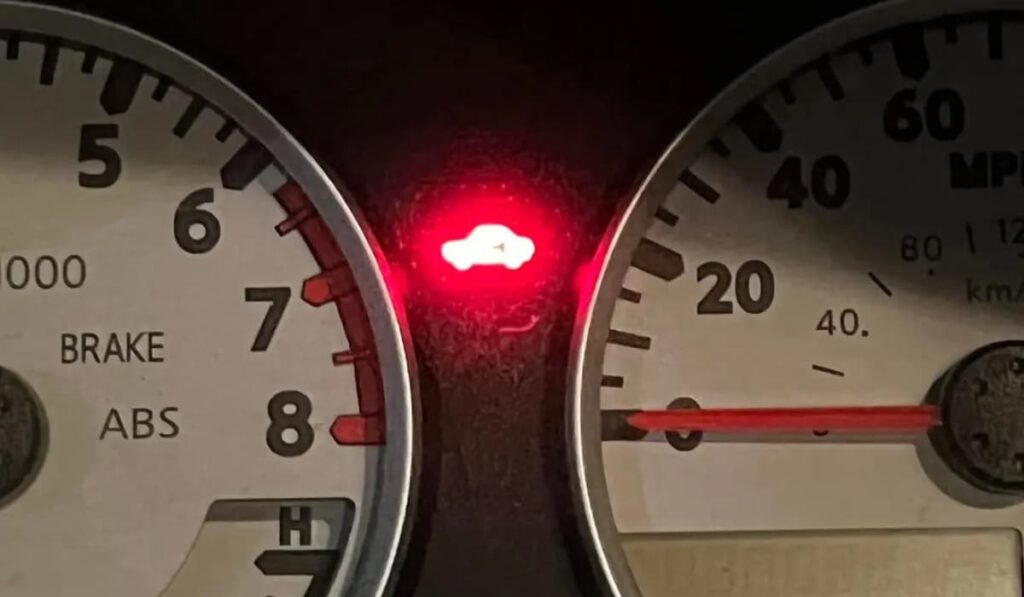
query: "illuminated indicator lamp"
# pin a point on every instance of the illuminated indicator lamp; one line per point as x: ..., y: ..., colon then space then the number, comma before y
x: 488, y: 244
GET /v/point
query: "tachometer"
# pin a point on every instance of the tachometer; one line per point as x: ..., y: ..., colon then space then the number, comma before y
x: 203, y: 383
x: 802, y: 371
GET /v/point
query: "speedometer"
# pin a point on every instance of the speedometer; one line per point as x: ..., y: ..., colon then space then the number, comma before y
x: 204, y: 388
x: 802, y: 370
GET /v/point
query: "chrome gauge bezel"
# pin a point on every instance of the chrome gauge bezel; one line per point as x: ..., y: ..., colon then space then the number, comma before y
x: 394, y: 481
x: 595, y: 310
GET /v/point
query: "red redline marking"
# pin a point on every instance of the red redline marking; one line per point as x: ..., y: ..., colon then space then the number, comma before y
x: 356, y: 430
x: 317, y: 291
x: 347, y: 357
x: 295, y: 220
x: 328, y: 286
x: 894, y: 419
x: 336, y: 286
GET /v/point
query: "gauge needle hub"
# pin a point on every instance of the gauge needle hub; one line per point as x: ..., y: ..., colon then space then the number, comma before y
x: 886, y: 419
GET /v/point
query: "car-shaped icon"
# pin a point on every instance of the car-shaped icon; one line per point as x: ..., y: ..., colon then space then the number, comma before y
x: 488, y: 244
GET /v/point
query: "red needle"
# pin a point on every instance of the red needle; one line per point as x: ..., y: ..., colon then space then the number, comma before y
x: 892, y: 419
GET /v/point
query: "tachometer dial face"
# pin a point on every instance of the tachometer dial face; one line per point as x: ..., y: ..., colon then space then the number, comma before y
x: 203, y: 385
x: 802, y: 371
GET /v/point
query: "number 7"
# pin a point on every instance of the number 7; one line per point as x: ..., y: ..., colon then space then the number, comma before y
x: 278, y: 299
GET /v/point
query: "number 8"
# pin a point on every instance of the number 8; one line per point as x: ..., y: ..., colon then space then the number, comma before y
x: 281, y: 421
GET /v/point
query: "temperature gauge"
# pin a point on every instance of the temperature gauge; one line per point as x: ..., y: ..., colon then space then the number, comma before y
x: 203, y: 383
x: 802, y: 372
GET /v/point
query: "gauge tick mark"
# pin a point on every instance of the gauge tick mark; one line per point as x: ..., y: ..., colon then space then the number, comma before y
x: 163, y: 85
x: 121, y: 86
x: 357, y: 430
x: 295, y: 220
x: 244, y: 166
x: 950, y: 31
x: 615, y: 426
x: 786, y: 91
x: 720, y: 148
x: 910, y: 51
x: 630, y: 296
x: 629, y: 340
x: 666, y: 216
x: 51, y: 53
x: 881, y: 285
x: 658, y: 260
x: 759, y: 127
x: 829, y: 79
x: 347, y: 357
x: 867, y: 56
x: 92, y: 53
x: 995, y: 39
x: 13, y: 46
x: 828, y: 370
x: 189, y: 117
x: 225, y: 131
x: 698, y: 186
x: 328, y: 286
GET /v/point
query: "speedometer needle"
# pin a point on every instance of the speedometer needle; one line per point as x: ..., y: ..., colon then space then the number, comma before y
x: 887, y: 419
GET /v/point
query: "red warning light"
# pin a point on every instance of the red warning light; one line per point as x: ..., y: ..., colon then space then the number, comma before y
x: 489, y: 244
x: 479, y: 242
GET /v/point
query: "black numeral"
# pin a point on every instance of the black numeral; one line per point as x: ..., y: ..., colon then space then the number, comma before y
x: 278, y: 299
x: 289, y: 411
x: 846, y: 322
x: 684, y: 442
x: 927, y: 248
x: 90, y: 149
x: 943, y: 119
x: 714, y: 302
x: 766, y: 281
x: 829, y: 184
x: 196, y: 230
x: 1011, y: 232
x: 43, y: 272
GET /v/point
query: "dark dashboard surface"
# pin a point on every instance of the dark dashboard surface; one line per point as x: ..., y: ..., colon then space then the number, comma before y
x: 565, y: 104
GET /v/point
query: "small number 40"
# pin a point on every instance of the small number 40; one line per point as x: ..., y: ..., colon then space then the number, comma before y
x: 845, y: 323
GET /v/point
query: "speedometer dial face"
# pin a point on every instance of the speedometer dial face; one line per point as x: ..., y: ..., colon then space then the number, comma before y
x: 802, y: 372
x: 203, y: 386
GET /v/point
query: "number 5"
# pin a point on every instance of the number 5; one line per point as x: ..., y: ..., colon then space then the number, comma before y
x: 89, y: 149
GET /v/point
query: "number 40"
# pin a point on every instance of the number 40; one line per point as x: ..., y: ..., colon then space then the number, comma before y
x: 845, y: 322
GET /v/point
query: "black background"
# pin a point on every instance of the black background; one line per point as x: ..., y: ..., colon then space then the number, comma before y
x: 570, y: 103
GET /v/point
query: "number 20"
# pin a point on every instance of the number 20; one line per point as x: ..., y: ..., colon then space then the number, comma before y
x: 714, y: 304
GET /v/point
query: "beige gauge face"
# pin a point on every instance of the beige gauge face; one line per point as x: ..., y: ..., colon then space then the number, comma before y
x: 802, y: 373
x: 203, y: 389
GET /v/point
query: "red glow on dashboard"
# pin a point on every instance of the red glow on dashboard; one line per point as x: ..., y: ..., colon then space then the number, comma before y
x: 489, y: 244
x: 482, y: 239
